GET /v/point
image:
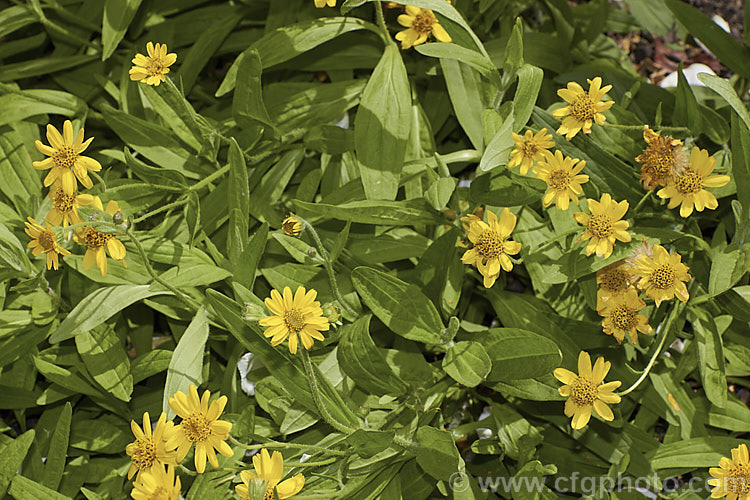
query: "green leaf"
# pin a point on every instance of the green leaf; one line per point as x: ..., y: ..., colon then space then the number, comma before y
x: 529, y: 83
x: 42, y: 66
x: 23, y: 488
x: 17, y: 105
x: 467, y: 363
x: 20, y: 181
x: 250, y: 257
x: 686, y: 110
x: 12, y: 457
x: 718, y: 41
x: 711, y: 356
x: 117, y: 16
x: 694, y: 453
x: 402, y: 306
x: 439, y: 193
x: 441, y: 272
x: 364, y: 362
x: 58, y: 449
x: 370, y: 443
x: 340, y: 243
x: 248, y: 108
x: 13, y: 259
x: 239, y: 204
x: 98, y: 307
x: 384, y: 213
x: 105, y: 358
x: 459, y: 53
x: 288, y: 42
x: 382, y: 126
x: 464, y: 86
x: 725, y: 90
x: 726, y: 270
x: 437, y: 454
x: 503, y: 185
x: 740, y: 143
x: 519, y: 354
x: 186, y: 366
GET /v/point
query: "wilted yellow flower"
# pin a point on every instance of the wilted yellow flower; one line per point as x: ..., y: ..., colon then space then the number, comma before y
x: 148, y: 449
x: 64, y: 211
x: 586, y: 391
x: 613, y: 280
x: 157, y: 484
x: 65, y: 158
x: 662, y: 158
x: 419, y: 23
x: 563, y: 179
x: 322, y: 3
x: 96, y: 241
x: 152, y: 69
x: 200, y: 425
x: 530, y: 147
x: 662, y: 277
x: 291, y: 226
x: 44, y: 239
x: 298, y: 318
x: 584, y: 108
x: 491, y: 245
x: 621, y: 316
x: 603, y: 226
x: 732, y: 478
x: 269, y: 468
x: 686, y: 188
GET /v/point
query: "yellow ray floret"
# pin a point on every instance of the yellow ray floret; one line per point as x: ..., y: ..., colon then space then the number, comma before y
x: 492, y: 246
x: 586, y: 391
x: 419, y: 24
x: 65, y: 160
x: 96, y: 241
x: 269, y: 468
x: 149, y: 448
x: 687, y: 188
x: 731, y: 478
x: 621, y: 316
x: 152, y: 69
x: 157, y: 483
x: 297, y: 317
x: 529, y: 148
x: 322, y: 3
x: 563, y: 177
x: 583, y: 109
x: 604, y: 225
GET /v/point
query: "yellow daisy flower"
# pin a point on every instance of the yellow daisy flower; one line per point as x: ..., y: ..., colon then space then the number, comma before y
x: 322, y: 3
x: 613, y: 280
x: 491, y: 245
x: 563, y: 179
x: 584, y: 108
x: 298, y: 318
x: 157, y: 484
x: 44, y: 239
x: 603, y: 226
x: 662, y: 277
x: 586, y: 391
x: 64, y: 211
x: 621, y: 316
x: 269, y: 468
x: 149, y: 448
x: 419, y: 23
x: 96, y: 241
x: 530, y: 147
x: 732, y: 478
x: 291, y: 226
x: 152, y: 69
x: 686, y: 188
x: 662, y: 158
x: 65, y: 160
x: 200, y: 425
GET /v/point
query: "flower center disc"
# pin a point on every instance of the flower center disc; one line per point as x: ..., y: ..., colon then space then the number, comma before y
x: 623, y: 317
x: 738, y: 479
x: 422, y: 24
x: 689, y: 182
x: 65, y: 157
x: 600, y: 226
x: 660, y: 162
x: 663, y: 277
x: 196, y: 428
x: 559, y: 180
x: 145, y: 454
x: 489, y: 245
x: 95, y: 239
x: 584, y: 392
x: 294, y: 320
x: 582, y: 108
x: 47, y: 239
x: 529, y: 149
x: 154, y: 68
x: 615, y: 280
x: 63, y: 201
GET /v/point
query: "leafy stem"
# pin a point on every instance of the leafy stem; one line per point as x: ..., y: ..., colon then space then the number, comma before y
x: 289, y: 446
x: 315, y: 391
